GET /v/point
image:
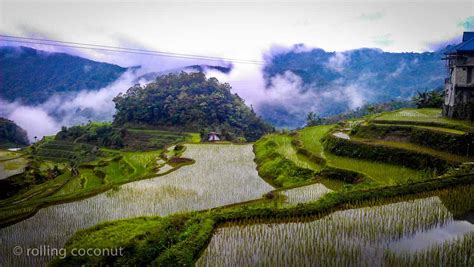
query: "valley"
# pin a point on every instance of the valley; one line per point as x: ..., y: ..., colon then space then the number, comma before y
x: 314, y: 196
x: 236, y: 134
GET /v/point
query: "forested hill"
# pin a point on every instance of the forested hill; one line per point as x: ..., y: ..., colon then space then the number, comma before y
x: 340, y: 81
x: 32, y: 76
x: 190, y: 102
x: 11, y: 135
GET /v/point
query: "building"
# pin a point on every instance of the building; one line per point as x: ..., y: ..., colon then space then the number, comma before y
x: 213, y: 136
x: 459, y: 86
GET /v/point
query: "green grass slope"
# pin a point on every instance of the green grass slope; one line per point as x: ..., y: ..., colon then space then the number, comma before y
x: 425, y: 117
x: 385, y: 153
x: 178, y: 240
x: 108, y: 169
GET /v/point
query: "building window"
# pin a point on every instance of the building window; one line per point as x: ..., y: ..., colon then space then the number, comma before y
x: 469, y: 75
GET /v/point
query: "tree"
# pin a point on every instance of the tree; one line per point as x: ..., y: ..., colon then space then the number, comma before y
x: 312, y: 119
x: 11, y: 134
x: 372, y: 109
x: 429, y: 99
x: 191, y: 102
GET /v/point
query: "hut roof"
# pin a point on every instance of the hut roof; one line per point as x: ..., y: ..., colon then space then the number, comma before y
x: 467, y: 44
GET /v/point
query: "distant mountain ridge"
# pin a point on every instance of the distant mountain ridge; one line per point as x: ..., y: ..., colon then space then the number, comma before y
x: 150, y: 76
x: 32, y: 76
x: 337, y: 78
x: 329, y: 83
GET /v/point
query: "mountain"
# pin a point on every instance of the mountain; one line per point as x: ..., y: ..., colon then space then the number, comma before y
x: 32, y: 76
x: 189, y: 102
x: 335, y: 82
x: 191, y: 68
x: 11, y: 135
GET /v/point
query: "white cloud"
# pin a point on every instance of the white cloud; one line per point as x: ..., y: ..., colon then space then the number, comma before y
x: 47, y: 118
x: 338, y: 61
x: 401, y: 67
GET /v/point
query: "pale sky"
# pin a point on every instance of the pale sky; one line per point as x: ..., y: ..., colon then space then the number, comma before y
x: 242, y: 29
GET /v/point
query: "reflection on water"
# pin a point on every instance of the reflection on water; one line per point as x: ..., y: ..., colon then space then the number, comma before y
x: 355, y: 237
x: 206, y: 184
x: 469, y: 216
x: 435, y: 236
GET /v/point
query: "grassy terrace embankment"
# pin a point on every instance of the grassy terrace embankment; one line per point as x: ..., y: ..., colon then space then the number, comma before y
x: 422, y: 117
x: 98, y: 170
x: 274, y: 165
x: 189, y: 234
x: 187, y: 189
x: 441, y: 139
x: 374, y: 182
x: 289, y: 161
x: 148, y: 139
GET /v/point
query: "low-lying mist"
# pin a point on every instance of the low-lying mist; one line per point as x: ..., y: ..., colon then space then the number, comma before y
x: 77, y: 108
x: 283, y: 97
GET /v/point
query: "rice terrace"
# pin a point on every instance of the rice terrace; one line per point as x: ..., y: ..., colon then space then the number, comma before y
x: 300, y: 199
x: 236, y: 135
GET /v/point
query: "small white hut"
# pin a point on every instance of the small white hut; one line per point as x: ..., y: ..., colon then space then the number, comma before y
x: 213, y: 136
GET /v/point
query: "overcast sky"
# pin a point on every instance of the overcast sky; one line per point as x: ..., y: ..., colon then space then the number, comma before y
x: 244, y: 30
x: 241, y: 30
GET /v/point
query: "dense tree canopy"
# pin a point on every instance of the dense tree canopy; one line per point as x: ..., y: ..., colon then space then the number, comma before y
x: 429, y: 99
x: 99, y: 134
x: 11, y: 134
x: 189, y: 102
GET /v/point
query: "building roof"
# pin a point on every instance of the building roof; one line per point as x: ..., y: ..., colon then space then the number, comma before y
x: 467, y: 36
x: 467, y: 45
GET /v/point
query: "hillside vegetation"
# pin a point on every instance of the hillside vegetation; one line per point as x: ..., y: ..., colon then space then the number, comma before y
x: 189, y: 102
x: 184, y: 239
x: 370, y: 74
x: 12, y: 135
x: 385, y: 149
x: 32, y: 76
x: 345, y: 193
x: 82, y: 161
x: 106, y: 135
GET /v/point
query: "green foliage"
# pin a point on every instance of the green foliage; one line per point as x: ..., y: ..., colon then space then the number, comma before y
x: 310, y: 139
x: 275, y: 167
x: 287, y: 146
x: 422, y: 117
x: 189, y: 234
x: 105, y: 135
x: 447, y: 140
x: 175, y: 240
x: 11, y: 135
x: 190, y: 102
x: 385, y: 153
x: 368, y: 109
x: 312, y: 119
x: 64, y: 151
x: 194, y: 239
x: 392, y: 76
x: 145, y: 140
x: 35, y: 188
x: 93, y: 133
x: 36, y: 173
x: 348, y: 169
x: 351, y: 168
x: 429, y: 99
